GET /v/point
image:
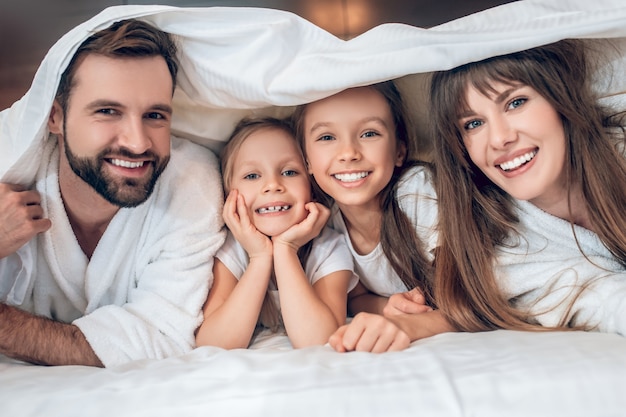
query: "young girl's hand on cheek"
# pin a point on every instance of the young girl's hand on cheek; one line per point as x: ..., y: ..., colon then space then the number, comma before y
x: 238, y: 221
x: 300, y: 233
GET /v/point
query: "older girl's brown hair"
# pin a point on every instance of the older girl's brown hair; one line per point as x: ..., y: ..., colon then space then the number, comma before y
x: 399, y: 240
x: 475, y: 216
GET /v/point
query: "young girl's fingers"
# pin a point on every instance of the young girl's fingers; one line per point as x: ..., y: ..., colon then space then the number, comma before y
x: 336, y: 339
x: 242, y: 211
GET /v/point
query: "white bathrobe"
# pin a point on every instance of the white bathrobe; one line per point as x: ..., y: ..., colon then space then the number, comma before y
x: 545, y: 273
x: 141, y: 293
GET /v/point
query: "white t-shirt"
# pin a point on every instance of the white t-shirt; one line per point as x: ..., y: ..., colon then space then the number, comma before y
x: 328, y: 254
x: 416, y: 197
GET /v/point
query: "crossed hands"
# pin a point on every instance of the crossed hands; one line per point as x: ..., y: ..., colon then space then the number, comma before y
x: 381, y: 333
x: 21, y: 217
x: 255, y: 243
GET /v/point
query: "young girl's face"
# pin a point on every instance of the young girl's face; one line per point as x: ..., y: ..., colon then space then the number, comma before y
x: 516, y: 138
x: 351, y: 146
x: 268, y: 171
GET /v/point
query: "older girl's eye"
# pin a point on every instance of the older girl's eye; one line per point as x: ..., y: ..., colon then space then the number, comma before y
x: 472, y: 124
x: 515, y: 103
x: 324, y: 138
x: 251, y: 177
x: 369, y: 134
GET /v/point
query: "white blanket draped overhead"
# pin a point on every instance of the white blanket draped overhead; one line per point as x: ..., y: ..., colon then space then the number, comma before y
x: 238, y: 60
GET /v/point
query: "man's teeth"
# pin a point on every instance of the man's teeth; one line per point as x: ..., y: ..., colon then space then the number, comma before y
x: 354, y: 176
x: 272, y: 209
x: 126, y: 164
x: 519, y: 161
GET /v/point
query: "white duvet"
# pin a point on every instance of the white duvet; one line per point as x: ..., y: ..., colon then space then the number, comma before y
x: 236, y: 61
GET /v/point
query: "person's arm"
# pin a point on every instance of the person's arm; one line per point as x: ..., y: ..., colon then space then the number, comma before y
x: 21, y: 217
x: 360, y: 300
x: 310, y: 313
x: 375, y: 333
x: 232, y: 309
x: 42, y: 341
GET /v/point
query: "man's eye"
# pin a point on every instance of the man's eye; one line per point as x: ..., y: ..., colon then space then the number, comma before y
x: 155, y: 116
x: 106, y: 111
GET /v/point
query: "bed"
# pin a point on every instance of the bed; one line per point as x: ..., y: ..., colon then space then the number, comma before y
x: 241, y: 61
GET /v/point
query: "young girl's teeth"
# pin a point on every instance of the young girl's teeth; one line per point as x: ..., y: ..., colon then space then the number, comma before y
x: 272, y: 209
x: 354, y: 176
x: 518, y: 162
x: 126, y: 164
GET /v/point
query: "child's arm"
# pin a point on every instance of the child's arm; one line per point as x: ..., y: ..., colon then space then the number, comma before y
x: 360, y: 299
x: 310, y: 313
x: 232, y: 309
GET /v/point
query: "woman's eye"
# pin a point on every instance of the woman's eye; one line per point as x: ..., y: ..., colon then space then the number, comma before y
x: 515, y: 103
x: 472, y: 124
x: 251, y: 177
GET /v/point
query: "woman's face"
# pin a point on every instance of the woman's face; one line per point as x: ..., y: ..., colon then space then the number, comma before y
x: 516, y: 138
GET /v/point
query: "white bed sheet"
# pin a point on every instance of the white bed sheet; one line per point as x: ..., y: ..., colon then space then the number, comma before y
x: 500, y: 373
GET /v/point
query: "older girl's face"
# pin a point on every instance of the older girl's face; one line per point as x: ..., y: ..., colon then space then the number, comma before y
x: 351, y: 146
x: 516, y: 138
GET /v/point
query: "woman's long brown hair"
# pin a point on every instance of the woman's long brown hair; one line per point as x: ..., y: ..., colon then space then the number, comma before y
x: 475, y: 216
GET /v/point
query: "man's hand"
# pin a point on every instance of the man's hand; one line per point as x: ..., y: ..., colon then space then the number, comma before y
x: 21, y: 217
x: 410, y: 302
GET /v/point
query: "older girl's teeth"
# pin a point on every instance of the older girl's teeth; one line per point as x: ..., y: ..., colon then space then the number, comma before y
x: 126, y: 164
x: 518, y: 162
x: 272, y: 209
x: 354, y: 176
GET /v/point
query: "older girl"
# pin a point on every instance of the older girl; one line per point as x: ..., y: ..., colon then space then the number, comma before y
x: 357, y: 146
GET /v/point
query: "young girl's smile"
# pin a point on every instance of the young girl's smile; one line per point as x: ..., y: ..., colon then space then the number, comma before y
x: 351, y: 145
x: 269, y: 173
x: 516, y: 138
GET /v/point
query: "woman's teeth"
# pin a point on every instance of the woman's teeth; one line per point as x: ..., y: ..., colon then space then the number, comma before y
x: 518, y: 162
x: 126, y: 164
x: 354, y: 176
x: 272, y: 209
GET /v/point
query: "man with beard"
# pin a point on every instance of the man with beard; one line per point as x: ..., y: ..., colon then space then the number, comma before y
x: 108, y: 258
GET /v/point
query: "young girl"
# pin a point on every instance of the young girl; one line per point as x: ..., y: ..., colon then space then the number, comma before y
x: 532, y: 195
x: 273, y: 231
x: 356, y: 146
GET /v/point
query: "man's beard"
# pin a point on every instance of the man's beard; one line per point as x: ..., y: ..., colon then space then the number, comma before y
x: 122, y: 192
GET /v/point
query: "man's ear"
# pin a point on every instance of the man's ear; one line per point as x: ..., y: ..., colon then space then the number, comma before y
x: 55, y: 120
